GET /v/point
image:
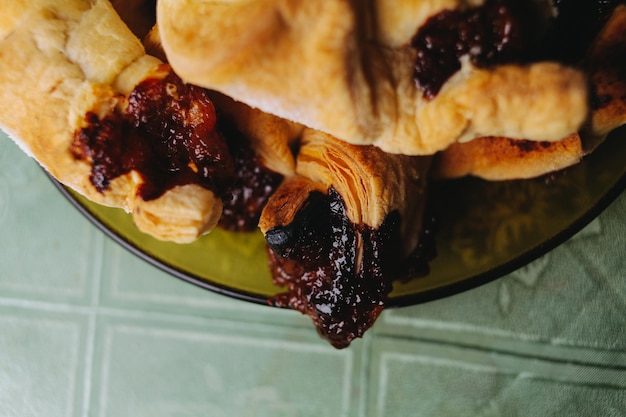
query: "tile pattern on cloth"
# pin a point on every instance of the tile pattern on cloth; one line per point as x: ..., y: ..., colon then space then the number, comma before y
x: 41, y: 362
x: 553, y: 306
x: 89, y: 330
x: 34, y: 223
x: 219, y: 369
x: 132, y: 284
x: 428, y: 379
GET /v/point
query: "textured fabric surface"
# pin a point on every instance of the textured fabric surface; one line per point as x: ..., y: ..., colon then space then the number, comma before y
x: 87, y: 329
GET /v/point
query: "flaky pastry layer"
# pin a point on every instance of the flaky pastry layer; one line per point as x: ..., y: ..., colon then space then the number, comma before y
x: 60, y: 61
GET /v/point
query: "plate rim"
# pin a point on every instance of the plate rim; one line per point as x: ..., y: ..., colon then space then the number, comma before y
x: 523, y: 259
x: 159, y: 264
x: 432, y: 294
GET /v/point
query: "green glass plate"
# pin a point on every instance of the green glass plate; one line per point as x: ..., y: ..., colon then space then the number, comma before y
x: 485, y: 230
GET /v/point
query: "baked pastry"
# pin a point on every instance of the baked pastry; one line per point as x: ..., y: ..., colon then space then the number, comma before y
x: 370, y: 72
x: 42, y: 107
x: 79, y: 94
x: 498, y: 158
x: 501, y: 158
x: 340, y: 230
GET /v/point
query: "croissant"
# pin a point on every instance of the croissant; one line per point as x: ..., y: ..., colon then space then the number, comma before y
x: 349, y: 68
x: 501, y: 158
x: 339, y: 229
x: 79, y: 93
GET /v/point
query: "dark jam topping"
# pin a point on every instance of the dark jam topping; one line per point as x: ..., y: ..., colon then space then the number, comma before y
x: 111, y: 147
x: 497, y: 32
x: 335, y: 271
x: 502, y: 32
x: 252, y: 188
x: 178, y: 120
x: 167, y: 134
x: 170, y: 134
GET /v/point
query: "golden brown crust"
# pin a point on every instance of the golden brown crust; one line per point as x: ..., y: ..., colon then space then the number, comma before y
x: 289, y: 198
x: 271, y: 137
x: 371, y: 183
x: 499, y: 158
x: 541, y: 102
x: 322, y: 64
x: 181, y: 215
x: 44, y: 89
x: 61, y: 60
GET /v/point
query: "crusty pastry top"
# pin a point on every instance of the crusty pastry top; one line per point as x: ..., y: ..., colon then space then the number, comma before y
x: 371, y: 183
x: 340, y: 230
x: 63, y: 61
x: 498, y: 158
x: 346, y: 68
x: 54, y: 68
x: 501, y: 158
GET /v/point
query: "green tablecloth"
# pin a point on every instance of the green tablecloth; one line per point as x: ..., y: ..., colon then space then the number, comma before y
x: 87, y: 329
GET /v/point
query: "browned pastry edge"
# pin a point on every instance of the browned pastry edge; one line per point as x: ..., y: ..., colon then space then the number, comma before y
x: 497, y: 158
x: 500, y: 158
x: 60, y: 61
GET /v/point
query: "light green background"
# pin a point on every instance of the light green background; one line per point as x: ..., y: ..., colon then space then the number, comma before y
x: 87, y: 329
